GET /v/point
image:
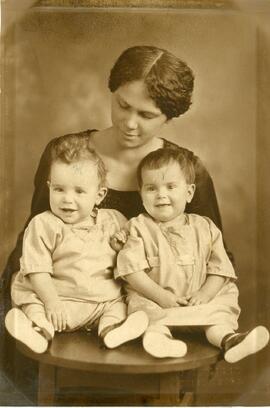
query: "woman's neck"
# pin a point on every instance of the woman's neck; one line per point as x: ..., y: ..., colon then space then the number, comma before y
x: 120, y: 161
x: 106, y: 145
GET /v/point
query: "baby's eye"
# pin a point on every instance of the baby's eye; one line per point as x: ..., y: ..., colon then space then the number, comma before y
x: 150, y: 188
x: 171, y: 186
x: 58, y: 189
x: 79, y: 191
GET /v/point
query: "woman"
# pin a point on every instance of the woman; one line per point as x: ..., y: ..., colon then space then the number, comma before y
x: 149, y: 86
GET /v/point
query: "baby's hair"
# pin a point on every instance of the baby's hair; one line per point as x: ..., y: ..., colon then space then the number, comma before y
x: 168, y: 79
x: 164, y: 156
x: 75, y: 147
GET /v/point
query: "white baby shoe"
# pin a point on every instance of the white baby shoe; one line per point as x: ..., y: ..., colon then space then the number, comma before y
x: 240, y: 345
x: 133, y: 327
x: 162, y: 345
x: 21, y: 328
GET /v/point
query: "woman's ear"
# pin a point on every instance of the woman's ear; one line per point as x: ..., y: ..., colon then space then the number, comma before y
x: 190, y: 192
x: 101, y: 195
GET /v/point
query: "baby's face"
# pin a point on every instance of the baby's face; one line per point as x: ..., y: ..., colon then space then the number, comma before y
x: 165, y: 192
x: 74, y: 190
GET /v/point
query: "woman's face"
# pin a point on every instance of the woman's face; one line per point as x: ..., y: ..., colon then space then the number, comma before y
x: 135, y: 116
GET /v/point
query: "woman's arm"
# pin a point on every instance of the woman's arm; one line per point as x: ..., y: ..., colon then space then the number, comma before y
x: 144, y: 285
x: 205, y: 201
x: 40, y: 203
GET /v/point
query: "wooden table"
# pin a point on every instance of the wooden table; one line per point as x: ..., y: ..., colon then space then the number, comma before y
x: 76, y: 360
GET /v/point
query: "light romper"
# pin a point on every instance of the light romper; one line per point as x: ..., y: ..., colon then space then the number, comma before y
x: 81, y: 263
x: 178, y: 255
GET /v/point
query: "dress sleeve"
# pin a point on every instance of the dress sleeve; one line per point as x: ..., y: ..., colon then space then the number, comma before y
x: 204, y: 201
x: 40, y: 203
x: 132, y: 257
x: 218, y: 262
x: 38, y: 245
x: 40, y: 199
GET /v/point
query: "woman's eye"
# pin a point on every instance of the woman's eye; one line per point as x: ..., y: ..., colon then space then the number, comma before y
x: 123, y: 105
x: 146, y: 115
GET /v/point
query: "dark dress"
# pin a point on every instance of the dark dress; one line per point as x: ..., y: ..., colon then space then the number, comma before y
x: 129, y: 203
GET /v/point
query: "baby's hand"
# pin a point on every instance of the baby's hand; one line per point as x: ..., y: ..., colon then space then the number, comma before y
x: 169, y: 299
x: 118, y: 240
x: 57, y: 315
x: 197, y: 298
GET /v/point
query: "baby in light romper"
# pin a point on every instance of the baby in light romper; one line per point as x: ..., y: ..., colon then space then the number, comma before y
x: 176, y: 268
x: 66, y: 280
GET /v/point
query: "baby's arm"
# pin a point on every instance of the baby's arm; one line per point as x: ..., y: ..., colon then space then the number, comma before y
x: 207, y: 291
x: 219, y: 268
x: 42, y: 284
x: 144, y: 285
x: 118, y: 240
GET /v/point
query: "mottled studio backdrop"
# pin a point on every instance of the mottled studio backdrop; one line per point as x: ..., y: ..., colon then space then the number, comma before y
x: 57, y: 65
x: 62, y: 65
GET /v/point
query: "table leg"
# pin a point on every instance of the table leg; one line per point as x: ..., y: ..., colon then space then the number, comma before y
x: 46, y: 384
x: 177, y: 388
x: 169, y: 388
x: 190, y: 379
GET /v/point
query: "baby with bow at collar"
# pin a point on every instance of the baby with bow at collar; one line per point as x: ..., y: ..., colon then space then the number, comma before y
x: 175, y: 266
x: 66, y: 278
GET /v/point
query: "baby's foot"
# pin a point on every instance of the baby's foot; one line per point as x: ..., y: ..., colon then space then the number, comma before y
x: 21, y: 328
x: 134, y: 326
x: 163, y: 345
x: 240, y: 345
x: 44, y: 327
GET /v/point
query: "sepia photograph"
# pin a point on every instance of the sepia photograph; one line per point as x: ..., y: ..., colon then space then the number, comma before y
x: 135, y: 215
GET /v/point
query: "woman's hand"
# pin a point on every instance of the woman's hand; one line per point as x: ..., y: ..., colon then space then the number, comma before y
x: 197, y: 298
x: 57, y: 315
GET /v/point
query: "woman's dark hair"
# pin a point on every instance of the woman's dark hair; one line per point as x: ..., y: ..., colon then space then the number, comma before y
x: 164, y: 156
x: 168, y: 79
x: 75, y: 147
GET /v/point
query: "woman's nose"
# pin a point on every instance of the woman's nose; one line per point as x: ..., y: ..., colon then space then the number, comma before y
x: 131, y: 121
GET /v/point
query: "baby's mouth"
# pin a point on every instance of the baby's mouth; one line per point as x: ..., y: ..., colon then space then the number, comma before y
x: 67, y: 210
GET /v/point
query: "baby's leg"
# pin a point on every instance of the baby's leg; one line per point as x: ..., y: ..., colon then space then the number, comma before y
x: 36, y: 313
x: 116, y: 328
x: 21, y: 328
x: 158, y: 342
x: 237, y: 346
x: 152, y: 309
